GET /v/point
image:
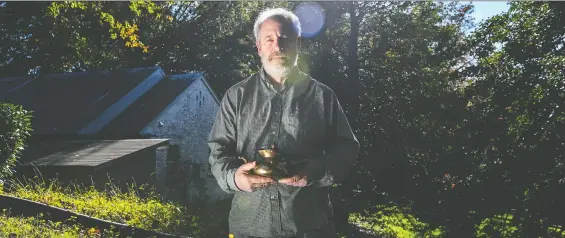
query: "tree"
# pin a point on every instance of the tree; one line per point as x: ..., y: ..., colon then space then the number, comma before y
x: 410, y: 109
x: 48, y: 37
x: 517, y: 105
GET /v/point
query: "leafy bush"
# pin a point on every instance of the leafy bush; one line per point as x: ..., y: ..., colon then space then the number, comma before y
x: 394, y: 221
x: 15, y: 128
x: 147, y: 212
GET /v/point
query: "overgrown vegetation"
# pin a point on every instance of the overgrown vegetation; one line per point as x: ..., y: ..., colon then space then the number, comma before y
x: 139, y: 206
x: 15, y: 128
x: 391, y: 221
x: 11, y: 226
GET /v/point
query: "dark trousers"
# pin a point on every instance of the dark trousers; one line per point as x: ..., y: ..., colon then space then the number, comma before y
x: 325, y: 232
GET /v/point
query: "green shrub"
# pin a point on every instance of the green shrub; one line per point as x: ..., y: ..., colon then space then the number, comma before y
x: 393, y: 221
x: 15, y: 128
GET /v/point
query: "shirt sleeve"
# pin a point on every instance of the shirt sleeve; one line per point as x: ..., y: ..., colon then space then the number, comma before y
x: 222, y: 142
x: 333, y: 166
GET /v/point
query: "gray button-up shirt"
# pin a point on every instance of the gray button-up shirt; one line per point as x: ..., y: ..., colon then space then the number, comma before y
x: 303, y: 118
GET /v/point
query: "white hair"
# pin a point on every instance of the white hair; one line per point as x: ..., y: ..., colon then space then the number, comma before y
x: 274, y: 12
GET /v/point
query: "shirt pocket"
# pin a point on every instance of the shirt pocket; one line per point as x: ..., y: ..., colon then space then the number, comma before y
x: 305, y: 122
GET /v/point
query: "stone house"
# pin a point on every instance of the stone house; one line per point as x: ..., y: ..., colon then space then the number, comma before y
x: 125, y: 107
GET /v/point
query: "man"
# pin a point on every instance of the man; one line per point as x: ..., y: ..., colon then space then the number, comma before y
x: 284, y: 107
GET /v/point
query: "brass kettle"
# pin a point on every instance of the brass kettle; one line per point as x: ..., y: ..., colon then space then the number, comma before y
x: 270, y: 163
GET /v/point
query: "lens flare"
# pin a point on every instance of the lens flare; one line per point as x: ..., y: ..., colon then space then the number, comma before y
x: 312, y: 18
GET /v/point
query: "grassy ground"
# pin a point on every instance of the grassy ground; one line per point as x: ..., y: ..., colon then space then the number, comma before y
x: 36, y: 227
x: 139, y: 206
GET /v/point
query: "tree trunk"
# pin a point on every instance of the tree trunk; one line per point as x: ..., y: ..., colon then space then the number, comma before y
x: 352, y: 105
x: 354, y: 85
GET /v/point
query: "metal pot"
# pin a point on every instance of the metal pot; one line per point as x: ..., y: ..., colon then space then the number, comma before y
x: 270, y: 163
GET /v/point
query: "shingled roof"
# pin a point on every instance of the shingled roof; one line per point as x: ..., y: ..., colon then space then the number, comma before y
x: 70, y: 102
x: 86, y: 153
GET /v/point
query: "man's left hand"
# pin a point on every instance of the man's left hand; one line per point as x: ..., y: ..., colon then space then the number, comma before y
x: 299, y: 180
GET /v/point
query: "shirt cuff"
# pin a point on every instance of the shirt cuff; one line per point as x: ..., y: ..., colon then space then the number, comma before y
x: 230, y: 177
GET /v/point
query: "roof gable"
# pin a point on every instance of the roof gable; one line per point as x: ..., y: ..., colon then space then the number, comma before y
x: 150, y: 105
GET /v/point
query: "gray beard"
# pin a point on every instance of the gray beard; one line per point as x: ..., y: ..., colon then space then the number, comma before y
x: 277, y: 70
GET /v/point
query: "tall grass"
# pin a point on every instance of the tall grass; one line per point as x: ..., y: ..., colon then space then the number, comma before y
x: 139, y: 206
x: 11, y: 226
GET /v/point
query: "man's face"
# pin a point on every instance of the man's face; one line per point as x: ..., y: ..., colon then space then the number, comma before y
x: 277, y: 46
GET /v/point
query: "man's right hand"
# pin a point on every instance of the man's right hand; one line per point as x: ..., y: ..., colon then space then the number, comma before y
x: 248, y: 182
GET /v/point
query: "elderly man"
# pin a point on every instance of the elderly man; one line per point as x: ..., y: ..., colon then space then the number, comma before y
x: 281, y: 106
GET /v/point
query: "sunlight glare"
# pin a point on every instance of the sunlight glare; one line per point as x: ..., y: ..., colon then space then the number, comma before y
x: 312, y: 18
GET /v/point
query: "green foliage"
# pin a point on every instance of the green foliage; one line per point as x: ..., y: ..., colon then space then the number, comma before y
x: 146, y: 211
x: 399, y: 222
x: 411, y: 111
x: 497, y: 226
x: 394, y: 221
x: 447, y: 136
x: 38, y: 227
x: 128, y: 31
x: 15, y: 128
x: 518, y: 113
x: 47, y: 37
x: 505, y: 226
